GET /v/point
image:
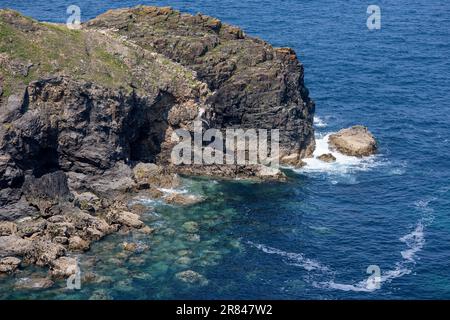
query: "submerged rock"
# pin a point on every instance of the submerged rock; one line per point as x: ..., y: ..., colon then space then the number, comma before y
x: 147, y: 230
x: 142, y: 276
x: 89, y: 277
x: 34, y: 283
x: 129, y: 246
x: 193, y: 237
x: 169, y: 232
x: 135, y: 247
x: 355, y: 141
x: 183, y: 199
x: 184, y: 260
x: 139, y: 208
x: 155, y: 193
x: 184, y: 252
x: 125, y: 285
x: 137, y: 260
x: 100, y: 294
x: 190, y: 226
x: 192, y: 277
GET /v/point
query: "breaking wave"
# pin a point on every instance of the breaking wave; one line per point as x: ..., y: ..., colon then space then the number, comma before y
x: 173, y: 191
x: 296, y: 259
x: 414, y: 241
x: 343, y: 164
x: 319, y: 122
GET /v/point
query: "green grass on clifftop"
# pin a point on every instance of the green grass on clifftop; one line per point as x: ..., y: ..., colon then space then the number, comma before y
x: 30, y: 50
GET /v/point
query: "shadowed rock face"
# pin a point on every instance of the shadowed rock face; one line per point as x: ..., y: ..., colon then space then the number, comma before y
x: 80, y: 108
x: 79, y: 126
x: 254, y: 85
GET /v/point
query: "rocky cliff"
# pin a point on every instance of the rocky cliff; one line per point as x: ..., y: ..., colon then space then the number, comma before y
x: 84, y: 113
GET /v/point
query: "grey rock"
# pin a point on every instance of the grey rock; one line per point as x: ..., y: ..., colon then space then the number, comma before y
x: 14, y: 246
x: 44, y: 252
x: 34, y: 283
x: 192, y: 277
x: 64, y: 267
x: 9, y: 264
x: 7, y: 228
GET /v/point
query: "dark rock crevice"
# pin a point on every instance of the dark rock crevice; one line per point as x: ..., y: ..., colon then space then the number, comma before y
x: 149, y: 123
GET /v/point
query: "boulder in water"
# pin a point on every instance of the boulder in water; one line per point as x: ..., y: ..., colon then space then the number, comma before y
x: 355, y: 141
x: 327, y: 157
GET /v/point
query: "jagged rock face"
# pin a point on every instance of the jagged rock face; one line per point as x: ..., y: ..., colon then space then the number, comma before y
x: 79, y: 109
x: 84, y: 125
x: 77, y: 126
x: 132, y: 77
x: 254, y: 85
x: 60, y: 126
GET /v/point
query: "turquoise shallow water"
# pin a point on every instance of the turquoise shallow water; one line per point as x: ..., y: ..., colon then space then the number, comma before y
x: 315, y: 236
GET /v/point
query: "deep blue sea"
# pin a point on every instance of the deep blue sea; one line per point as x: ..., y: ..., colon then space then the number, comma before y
x: 315, y: 236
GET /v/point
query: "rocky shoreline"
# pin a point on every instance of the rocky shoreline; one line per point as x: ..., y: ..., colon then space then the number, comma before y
x: 86, y: 118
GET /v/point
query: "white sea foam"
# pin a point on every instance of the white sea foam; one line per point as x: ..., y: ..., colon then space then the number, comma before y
x: 399, y: 271
x: 172, y: 191
x: 343, y: 164
x: 295, y: 259
x: 415, y: 242
x: 397, y: 171
x: 360, y: 287
x: 367, y: 285
x: 319, y: 122
x: 146, y: 201
x: 398, y: 168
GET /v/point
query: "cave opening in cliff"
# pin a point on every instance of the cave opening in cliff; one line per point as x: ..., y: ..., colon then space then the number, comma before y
x: 39, y: 159
x: 145, y: 146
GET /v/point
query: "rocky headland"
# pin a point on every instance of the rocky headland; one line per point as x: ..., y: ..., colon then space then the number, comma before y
x: 86, y: 118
